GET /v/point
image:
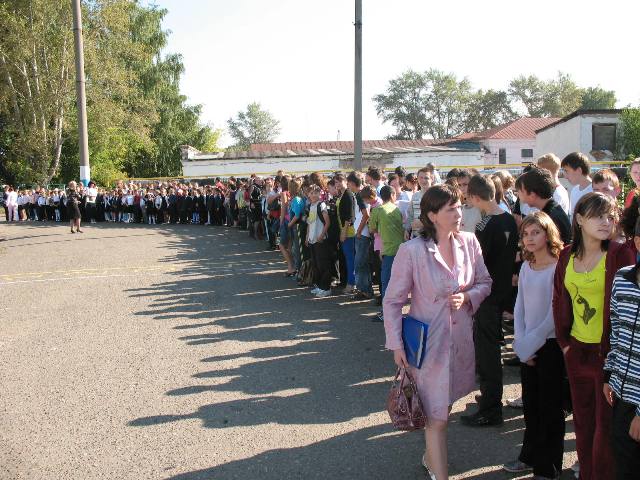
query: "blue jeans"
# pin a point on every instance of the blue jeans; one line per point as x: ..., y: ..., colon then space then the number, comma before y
x: 349, y: 250
x: 362, y: 270
x: 385, y: 274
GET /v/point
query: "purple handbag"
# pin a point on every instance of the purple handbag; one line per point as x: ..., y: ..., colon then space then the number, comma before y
x: 403, y: 403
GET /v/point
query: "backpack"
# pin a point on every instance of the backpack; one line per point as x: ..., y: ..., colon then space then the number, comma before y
x: 333, y: 233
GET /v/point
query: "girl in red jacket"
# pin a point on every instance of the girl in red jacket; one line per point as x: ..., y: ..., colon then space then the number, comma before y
x: 581, y: 296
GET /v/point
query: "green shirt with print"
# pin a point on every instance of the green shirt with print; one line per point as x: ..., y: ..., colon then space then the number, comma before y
x: 387, y: 221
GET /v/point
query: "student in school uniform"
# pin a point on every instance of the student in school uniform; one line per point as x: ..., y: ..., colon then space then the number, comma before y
x: 91, y: 195
x: 41, y: 202
x: 56, y: 204
x: 497, y: 233
x: 150, y: 208
x: 202, y: 207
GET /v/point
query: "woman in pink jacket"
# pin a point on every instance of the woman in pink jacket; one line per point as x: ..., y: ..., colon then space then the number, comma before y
x: 444, y: 272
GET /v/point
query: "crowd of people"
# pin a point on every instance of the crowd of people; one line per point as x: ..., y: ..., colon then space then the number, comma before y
x: 465, y: 252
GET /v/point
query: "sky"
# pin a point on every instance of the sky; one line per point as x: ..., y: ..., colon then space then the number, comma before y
x: 295, y: 57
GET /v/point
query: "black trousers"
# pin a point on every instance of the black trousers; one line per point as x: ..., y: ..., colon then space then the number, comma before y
x: 91, y: 211
x: 626, y: 451
x: 487, y: 337
x: 342, y: 267
x: 542, y: 399
x: 376, y: 268
x: 324, y: 264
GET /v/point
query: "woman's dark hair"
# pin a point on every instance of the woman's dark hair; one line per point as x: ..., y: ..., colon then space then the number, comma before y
x: 284, y: 183
x: 591, y: 205
x: 434, y: 199
x: 630, y: 217
x: 318, y: 179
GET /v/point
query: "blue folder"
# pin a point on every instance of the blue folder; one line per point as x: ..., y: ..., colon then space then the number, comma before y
x: 414, y: 337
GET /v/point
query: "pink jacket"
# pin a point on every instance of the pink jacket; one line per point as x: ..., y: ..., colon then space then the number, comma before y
x: 448, y: 370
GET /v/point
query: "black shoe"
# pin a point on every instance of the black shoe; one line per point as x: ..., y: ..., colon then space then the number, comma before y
x: 481, y: 419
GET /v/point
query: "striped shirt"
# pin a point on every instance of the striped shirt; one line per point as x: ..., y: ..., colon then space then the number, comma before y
x: 623, y: 361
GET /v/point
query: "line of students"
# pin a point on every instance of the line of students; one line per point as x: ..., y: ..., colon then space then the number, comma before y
x: 568, y: 315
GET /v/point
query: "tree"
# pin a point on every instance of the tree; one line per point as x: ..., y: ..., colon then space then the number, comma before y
x: 562, y: 96
x: 596, y: 98
x: 551, y: 98
x: 36, y: 88
x: 630, y: 121
x: 136, y: 114
x: 419, y: 104
x: 446, y: 104
x: 253, y: 126
x: 487, y: 110
x: 405, y: 105
x: 529, y: 92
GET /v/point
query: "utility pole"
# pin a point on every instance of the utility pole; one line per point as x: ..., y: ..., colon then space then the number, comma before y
x: 81, y: 98
x: 357, y: 101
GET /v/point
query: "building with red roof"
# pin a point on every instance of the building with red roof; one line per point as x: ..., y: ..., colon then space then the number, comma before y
x: 513, y: 142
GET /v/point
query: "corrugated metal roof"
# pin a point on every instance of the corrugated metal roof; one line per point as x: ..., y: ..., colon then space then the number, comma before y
x: 284, y: 152
x: 345, y: 146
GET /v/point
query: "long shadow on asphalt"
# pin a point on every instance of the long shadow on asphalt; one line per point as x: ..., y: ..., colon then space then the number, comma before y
x: 331, y: 367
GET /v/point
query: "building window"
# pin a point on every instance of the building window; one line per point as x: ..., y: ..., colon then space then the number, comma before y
x: 526, y: 153
x: 603, y: 136
x: 502, y: 156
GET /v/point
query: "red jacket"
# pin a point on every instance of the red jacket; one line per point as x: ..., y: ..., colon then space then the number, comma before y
x: 618, y: 255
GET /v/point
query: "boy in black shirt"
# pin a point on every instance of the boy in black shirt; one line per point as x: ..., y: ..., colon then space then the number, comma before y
x: 497, y: 233
x: 535, y: 188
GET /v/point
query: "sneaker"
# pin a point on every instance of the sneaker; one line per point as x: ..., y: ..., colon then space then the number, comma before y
x: 359, y: 296
x: 516, y: 467
x: 315, y: 291
x: 514, y: 402
x: 323, y: 293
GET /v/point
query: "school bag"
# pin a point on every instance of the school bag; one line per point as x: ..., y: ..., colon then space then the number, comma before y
x: 333, y: 233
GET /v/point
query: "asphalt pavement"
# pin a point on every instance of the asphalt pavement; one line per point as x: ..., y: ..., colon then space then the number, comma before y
x: 182, y: 352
